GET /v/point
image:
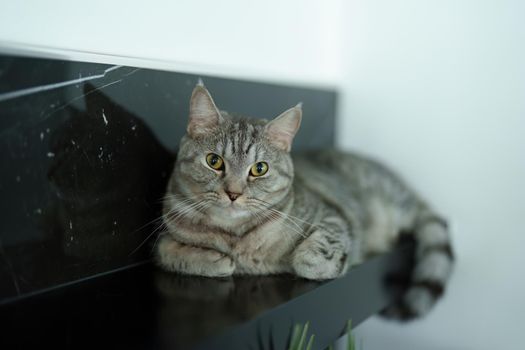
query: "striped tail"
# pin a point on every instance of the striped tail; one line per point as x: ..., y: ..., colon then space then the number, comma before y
x: 433, y: 261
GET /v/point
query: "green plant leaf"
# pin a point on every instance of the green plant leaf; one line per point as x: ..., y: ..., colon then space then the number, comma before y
x: 310, y: 342
x: 351, y: 340
x: 294, y: 341
x: 303, y: 336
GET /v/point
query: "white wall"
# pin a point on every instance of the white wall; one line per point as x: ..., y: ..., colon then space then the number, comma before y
x: 434, y: 88
x: 289, y: 40
x: 437, y: 90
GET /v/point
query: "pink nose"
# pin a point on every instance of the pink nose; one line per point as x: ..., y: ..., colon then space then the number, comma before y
x: 232, y: 195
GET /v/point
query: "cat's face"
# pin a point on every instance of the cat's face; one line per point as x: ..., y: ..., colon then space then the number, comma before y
x: 235, y: 167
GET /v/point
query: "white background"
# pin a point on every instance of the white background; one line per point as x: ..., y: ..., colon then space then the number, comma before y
x: 436, y: 89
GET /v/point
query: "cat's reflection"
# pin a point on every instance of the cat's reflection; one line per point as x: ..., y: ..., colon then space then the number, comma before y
x: 109, y: 172
x: 213, y: 303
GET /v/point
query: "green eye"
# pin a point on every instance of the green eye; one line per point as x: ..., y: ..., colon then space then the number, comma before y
x: 215, y: 161
x: 259, y: 169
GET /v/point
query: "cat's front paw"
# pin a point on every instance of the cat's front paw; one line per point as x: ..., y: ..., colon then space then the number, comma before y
x: 216, y: 264
x: 315, y: 265
x: 178, y: 257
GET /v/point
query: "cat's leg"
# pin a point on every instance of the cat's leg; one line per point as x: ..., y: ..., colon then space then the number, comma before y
x: 178, y: 257
x: 324, y: 254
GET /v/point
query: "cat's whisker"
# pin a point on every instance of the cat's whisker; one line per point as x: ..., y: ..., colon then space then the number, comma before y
x: 206, y: 205
x: 292, y: 219
x: 156, y: 241
x: 191, y: 213
x: 176, y: 213
x: 177, y: 209
x: 147, y: 238
x: 180, y: 197
x: 299, y: 232
x: 276, y: 215
x: 184, y: 204
x: 166, y: 217
x: 188, y: 210
x: 147, y: 224
x: 289, y: 216
x: 181, y: 204
x: 259, y: 219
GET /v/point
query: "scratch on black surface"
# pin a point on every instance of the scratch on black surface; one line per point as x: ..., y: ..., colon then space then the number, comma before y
x: 36, y: 89
x: 61, y: 107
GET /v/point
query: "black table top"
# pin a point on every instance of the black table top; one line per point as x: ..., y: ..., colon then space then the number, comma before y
x: 144, y: 307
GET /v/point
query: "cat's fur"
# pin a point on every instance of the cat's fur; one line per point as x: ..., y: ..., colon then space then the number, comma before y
x: 315, y: 216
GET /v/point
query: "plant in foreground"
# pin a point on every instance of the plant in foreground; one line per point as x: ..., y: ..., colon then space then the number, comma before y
x: 299, y: 336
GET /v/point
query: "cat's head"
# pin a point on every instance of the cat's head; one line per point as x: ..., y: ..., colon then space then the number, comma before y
x: 237, y: 166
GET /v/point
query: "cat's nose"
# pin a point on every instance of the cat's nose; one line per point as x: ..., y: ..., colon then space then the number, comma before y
x: 232, y: 195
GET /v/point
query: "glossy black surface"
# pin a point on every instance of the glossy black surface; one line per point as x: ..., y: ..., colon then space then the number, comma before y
x: 145, y: 308
x: 85, y: 152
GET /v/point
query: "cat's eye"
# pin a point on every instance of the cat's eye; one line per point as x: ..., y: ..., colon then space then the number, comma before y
x: 215, y: 161
x: 259, y: 169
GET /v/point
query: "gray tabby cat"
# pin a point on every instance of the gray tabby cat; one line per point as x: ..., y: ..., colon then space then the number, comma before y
x: 236, y: 203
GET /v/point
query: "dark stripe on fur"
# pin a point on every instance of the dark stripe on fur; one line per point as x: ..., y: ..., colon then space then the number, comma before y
x: 248, y: 148
x: 432, y: 220
x: 406, y: 313
x: 342, y: 262
x: 399, y: 311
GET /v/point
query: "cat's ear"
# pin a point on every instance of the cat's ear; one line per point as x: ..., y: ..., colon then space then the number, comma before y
x: 204, y: 115
x: 281, y: 131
